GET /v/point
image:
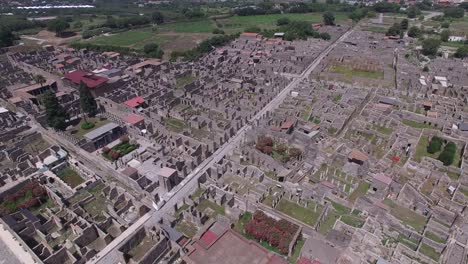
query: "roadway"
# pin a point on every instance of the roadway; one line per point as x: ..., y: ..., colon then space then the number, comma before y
x: 191, y: 181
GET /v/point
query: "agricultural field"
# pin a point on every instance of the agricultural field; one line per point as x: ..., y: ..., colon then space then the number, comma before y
x: 185, y: 35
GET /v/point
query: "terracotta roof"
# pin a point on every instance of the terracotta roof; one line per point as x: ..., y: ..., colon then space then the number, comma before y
x: 428, y: 104
x: 90, y: 79
x: 287, y: 124
x: 383, y: 179
x: 304, y: 260
x: 129, y: 171
x: 357, y: 155
x: 328, y: 184
x: 134, y: 102
x: 133, y: 119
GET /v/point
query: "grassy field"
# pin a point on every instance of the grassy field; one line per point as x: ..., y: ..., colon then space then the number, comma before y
x: 182, y: 81
x: 175, y: 125
x: 306, y: 215
x: 328, y: 222
x: 80, y: 132
x: 183, y: 35
x: 429, y: 251
x: 407, y: 216
x: 200, y: 26
x: 361, y: 190
x: 434, y: 237
x: 70, y: 176
x: 350, y: 73
x: 204, y: 203
x: 415, y: 124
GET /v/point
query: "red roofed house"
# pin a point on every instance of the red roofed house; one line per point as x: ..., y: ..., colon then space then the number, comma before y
x: 95, y: 83
x: 288, y: 126
x: 136, y: 120
x: 380, y: 184
x: 357, y: 156
x: 135, y: 102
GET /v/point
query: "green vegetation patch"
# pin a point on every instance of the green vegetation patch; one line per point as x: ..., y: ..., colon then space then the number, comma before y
x: 70, y: 176
x: 415, y: 124
x: 328, y: 222
x: 305, y: 215
x: 360, y: 191
x: 353, y: 221
x: 382, y: 129
x: 175, y: 124
x: 351, y: 73
x: 187, y: 79
x: 435, y: 237
x: 406, y: 215
x: 429, y: 251
x: 79, y: 131
x: 204, y: 203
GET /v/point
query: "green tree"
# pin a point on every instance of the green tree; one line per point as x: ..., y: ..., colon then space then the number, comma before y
x: 454, y: 12
x: 56, y: 115
x: 445, y: 24
x: 462, y: 52
x: 447, y: 156
x: 157, y: 17
x: 58, y: 26
x: 435, y: 145
x: 413, y: 12
x: 404, y: 24
x: 430, y: 46
x: 414, y: 32
x: 77, y: 24
x: 40, y: 79
x: 283, y: 21
x: 87, y: 102
x: 153, y: 50
x: 329, y: 18
x: 394, y: 30
x: 444, y: 35
x: 6, y: 37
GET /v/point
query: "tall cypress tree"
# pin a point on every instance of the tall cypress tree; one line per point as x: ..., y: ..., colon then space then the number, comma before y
x: 55, y: 113
x: 87, y: 102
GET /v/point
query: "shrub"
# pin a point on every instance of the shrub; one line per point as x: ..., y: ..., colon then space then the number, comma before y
x: 87, y: 125
x: 448, y: 154
x: 283, y: 21
x: 105, y: 150
x: 435, y: 145
x: 218, y: 31
x: 430, y: 46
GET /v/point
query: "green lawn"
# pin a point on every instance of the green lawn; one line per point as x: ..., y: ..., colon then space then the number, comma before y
x: 186, y: 228
x: 429, y: 251
x: 204, y: 203
x: 361, y: 190
x: 197, y: 193
x: 434, y: 237
x: 351, y: 73
x: 328, y: 222
x: 182, y: 81
x: 135, y: 38
x: 354, y: 221
x: 340, y: 209
x: 200, y: 26
x: 382, y: 129
x: 296, y: 251
x: 305, y: 215
x: 415, y: 124
x: 70, y: 176
x: 175, y: 124
x: 80, y: 132
x: 239, y: 226
x: 407, y: 216
x: 376, y: 29
x: 239, y: 23
x: 411, y: 243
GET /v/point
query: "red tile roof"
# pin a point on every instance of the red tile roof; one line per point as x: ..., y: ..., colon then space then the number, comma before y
x: 133, y: 119
x: 90, y: 79
x: 134, y: 102
x: 383, y: 179
x: 287, y: 124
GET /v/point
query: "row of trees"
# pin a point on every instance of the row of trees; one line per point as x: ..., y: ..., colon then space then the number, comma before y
x: 57, y: 116
x: 203, y: 48
x: 278, y: 234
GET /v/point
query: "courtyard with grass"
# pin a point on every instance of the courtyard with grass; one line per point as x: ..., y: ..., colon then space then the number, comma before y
x: 423, y: 149
x: 70, y: 177
x: 351, y: 73
x: 79, y: 130
x: 407, y: 216
x: 307, y: 215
